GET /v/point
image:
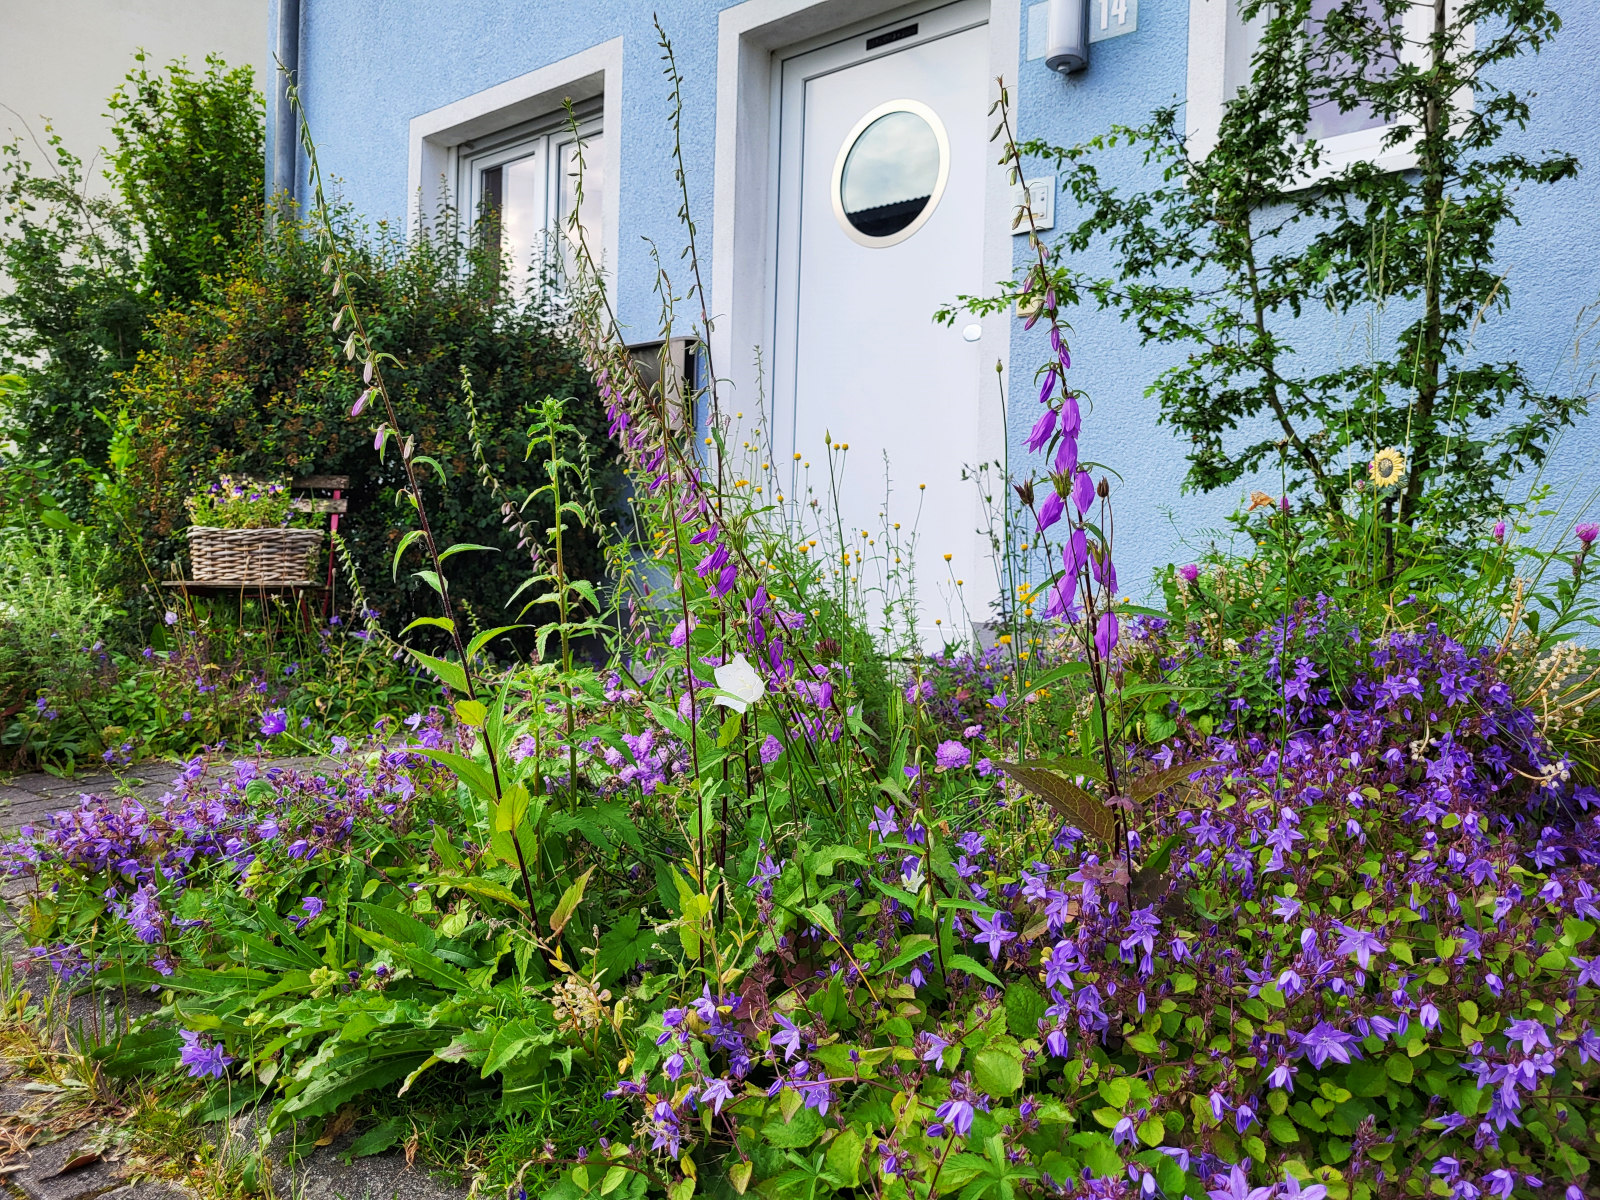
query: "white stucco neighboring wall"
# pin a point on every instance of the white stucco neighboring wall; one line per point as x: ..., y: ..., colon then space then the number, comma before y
x: 61, y: 59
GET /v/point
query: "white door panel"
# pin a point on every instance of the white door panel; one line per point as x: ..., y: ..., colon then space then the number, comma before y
x: 870, y: 243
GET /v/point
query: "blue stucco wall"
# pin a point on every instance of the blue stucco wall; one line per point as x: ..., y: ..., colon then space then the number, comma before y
x: 369, y: 66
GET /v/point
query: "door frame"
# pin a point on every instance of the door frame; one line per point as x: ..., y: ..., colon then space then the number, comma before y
x: 753, y: 39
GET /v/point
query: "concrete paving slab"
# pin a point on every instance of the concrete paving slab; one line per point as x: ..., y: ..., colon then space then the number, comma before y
x: 44, y: 1177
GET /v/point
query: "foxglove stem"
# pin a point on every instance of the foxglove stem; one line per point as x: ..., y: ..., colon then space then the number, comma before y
x: 1098, y: 671
x: 359, y: 343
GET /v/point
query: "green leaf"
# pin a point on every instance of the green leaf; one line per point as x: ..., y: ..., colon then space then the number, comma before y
x: 449, y: 857
x: 511, y: 1040
x: 429, y: 461
x: 997, y: 1071
x: 443, y: 623
x: 402, y: 927
x: 461, y: 547
x: 1049, y: 677
x: 448, y: 673
x: 483, y: 889
x: 141, y: 1052
x: 1099, y: 1153
x: 474, y: 775
x: 409, y: 537
x: 569, y: 903
x: 376, y: 1140
x: 472, y: 713
x: 1152, y: 1131
x: 1400, y: 1068
x: 912, y: 947
x: 971, y: 966
x: 1367, y: 1077
x: 511, y: 810
x: 1067, y: 798
x: 845, y: 1156
x: 1115, y: 1092
x: 1282, y: 1130
x: 423, y: 964
x: 822, y: 862
x: 1024, y: 1008
x: 805, y: 1128
x: 624, y: 946
x: 487, y: 636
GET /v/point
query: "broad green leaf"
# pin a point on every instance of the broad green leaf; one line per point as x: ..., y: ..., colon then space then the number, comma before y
x: 410, y: 536
x: 845, y: 1156
x: 512, y: 808
x: 461, y: 547
x: 971, y: 966
x: 448, y: 673
x: 484, y: 889
x: 569, y: 904
x: 1071, y: 801
x: 513, y: 1038
x: 1024, y: 1007
x: 443, y: 623
x: 997, y: 1071
x: 487, y: 636
x: 912, y: 947
x: 474, y: 775
x: 1055, y: 676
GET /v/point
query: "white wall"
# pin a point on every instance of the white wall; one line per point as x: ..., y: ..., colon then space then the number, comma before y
x: 61, y: 59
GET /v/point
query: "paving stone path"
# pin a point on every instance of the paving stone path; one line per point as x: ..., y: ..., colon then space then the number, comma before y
x: 40, y: 1161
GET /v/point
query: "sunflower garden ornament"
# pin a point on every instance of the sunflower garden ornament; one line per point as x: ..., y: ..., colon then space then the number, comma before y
x: 1388, y: 467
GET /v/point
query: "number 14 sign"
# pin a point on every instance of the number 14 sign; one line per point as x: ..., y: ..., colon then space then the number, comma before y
x: 1108, y: 18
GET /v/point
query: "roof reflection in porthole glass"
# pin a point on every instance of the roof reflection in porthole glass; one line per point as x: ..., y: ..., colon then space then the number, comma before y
x: 890, y: 174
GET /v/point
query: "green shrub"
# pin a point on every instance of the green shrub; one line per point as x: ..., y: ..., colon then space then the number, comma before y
x: 255, y: 382
x: 86, y: 274
x: 51, y: 621
x: 189, y: 165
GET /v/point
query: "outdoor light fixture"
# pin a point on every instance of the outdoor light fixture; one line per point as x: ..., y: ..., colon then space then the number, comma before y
x: 1068, y: 48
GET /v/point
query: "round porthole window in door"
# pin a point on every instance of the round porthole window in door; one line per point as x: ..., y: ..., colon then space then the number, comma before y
x: 890, y: 173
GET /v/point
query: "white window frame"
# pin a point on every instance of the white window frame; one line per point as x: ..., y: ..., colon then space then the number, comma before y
x: 445, y: 139
x: 1221, y: 45
x: 549, y: 138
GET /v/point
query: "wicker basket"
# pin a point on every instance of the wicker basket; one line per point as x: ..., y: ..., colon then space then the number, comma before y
x: 253, y: 555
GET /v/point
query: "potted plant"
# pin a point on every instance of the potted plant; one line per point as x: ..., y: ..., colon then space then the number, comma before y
x: 242, y: 534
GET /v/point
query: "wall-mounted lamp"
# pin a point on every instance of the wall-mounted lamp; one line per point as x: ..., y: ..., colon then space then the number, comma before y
x: 1068, y: 50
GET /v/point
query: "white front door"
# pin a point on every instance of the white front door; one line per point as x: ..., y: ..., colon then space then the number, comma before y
x: 883, y: 152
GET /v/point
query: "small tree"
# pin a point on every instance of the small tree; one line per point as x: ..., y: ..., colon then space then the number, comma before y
x: 85, y: 275
x: 1232, y: 252
x: 189, y: 165
x: 71, y: 312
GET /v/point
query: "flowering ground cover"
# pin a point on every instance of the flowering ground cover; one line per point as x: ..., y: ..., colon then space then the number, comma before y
x: 1366, y: 963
